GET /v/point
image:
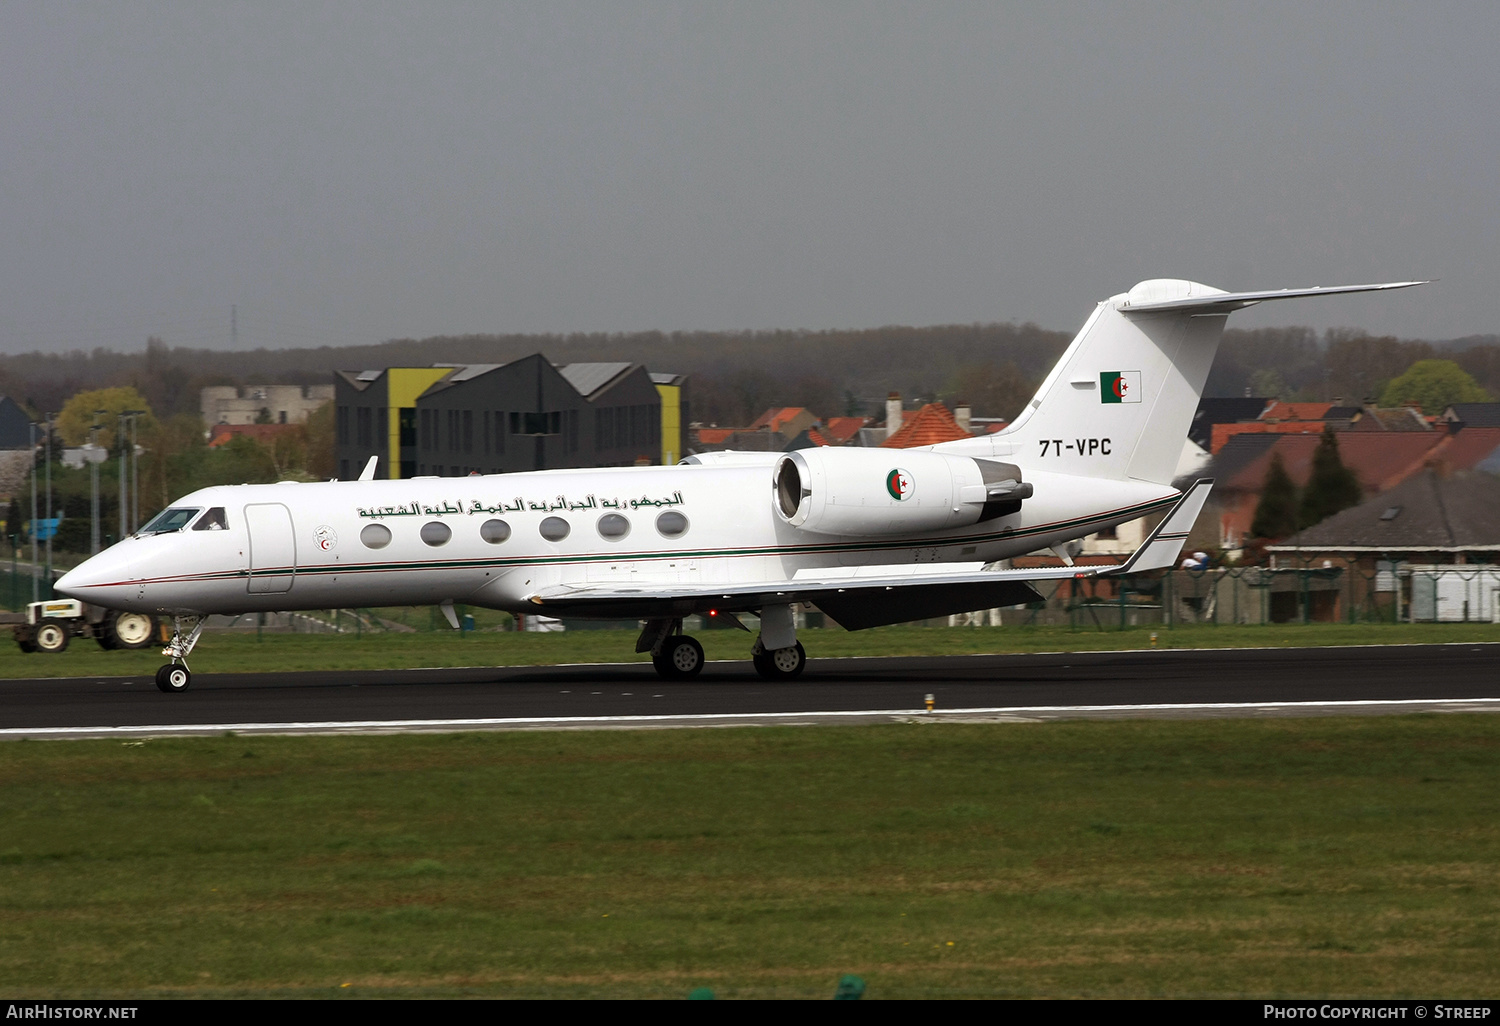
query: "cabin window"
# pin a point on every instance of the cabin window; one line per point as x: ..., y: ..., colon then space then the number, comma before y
x: 554, y: 529
x: 613, y: 527
x: 671, y: 524
x: 375, y: 536
x: 436, y: 533
x: 169, y: 520
x: 213, y: 520
x: 494, y: 531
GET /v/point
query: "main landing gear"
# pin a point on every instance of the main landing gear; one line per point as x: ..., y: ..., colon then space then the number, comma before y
x: 780, y: 664
x: 173, y: 678
x: 776, y: 654
x: 675, y: 655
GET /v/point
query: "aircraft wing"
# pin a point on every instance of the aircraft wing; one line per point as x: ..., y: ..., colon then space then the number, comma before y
x: 869, y: 596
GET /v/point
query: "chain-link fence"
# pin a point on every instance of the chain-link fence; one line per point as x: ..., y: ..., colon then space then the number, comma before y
x: 1312, y: 591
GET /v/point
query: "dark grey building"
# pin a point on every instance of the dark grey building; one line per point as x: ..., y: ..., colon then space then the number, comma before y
x: 15, y: 426
x: 454, y: 420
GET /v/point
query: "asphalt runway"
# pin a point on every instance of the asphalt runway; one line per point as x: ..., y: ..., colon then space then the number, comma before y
x: 1218, y: 682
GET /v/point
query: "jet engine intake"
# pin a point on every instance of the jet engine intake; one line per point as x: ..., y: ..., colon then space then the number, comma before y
x: 879, y: 492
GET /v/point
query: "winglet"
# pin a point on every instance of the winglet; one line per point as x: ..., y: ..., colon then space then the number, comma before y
x: 368, y: 474
x: 1161, y: 548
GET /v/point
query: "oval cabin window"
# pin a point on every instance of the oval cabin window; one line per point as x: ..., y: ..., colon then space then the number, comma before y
x: 672, y: 524
x: 613, y: 527
x: 375, y: 536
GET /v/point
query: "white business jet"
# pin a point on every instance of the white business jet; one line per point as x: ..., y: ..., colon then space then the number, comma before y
x: 869, y: 536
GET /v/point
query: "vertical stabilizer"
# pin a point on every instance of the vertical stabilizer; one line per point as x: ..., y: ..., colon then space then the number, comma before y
x: 1120, y: 401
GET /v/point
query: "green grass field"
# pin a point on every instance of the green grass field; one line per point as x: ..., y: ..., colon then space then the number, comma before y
x: 239, y: 653
x: 1289, y: 857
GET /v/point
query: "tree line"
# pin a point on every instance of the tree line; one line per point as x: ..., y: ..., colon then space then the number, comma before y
x: 737, y: 375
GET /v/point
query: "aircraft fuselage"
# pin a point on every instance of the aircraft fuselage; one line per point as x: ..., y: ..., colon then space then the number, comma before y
x: 308, y: 546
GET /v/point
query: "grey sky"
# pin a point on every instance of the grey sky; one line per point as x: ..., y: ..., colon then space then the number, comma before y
x: 349, y: 172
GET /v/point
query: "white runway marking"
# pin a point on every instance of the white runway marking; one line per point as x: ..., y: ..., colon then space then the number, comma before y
x: 1034, y: 712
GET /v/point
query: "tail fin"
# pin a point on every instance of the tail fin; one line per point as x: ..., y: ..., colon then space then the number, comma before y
x: 1119, y: 403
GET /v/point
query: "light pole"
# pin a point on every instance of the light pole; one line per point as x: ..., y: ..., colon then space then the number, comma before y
x: 135, y: 470
x: 124, y: 474
x: 94, y: 481
x: 34, y: 583
x: 50, y: 530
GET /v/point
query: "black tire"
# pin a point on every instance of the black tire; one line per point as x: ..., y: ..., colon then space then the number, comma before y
x: 762, y: 663
x: 782, y: 664
x: 663, y: 667
x: 52, y: 636
x: 25, y: 638
x: 173, y: 679
x: 681, y: 658
x: 129, y: 630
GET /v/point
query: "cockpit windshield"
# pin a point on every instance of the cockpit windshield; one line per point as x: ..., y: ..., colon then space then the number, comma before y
x: 213, y: 520
x: 168, y: 520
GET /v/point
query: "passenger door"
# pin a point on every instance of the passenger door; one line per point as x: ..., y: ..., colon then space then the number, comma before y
x: 273, y: 548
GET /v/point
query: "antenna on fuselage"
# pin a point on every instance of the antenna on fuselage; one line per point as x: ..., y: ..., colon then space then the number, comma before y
x: 368, y: 474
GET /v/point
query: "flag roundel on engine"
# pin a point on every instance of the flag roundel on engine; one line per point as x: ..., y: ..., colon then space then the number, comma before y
x: 899, y: 484
x: 1120, y: 386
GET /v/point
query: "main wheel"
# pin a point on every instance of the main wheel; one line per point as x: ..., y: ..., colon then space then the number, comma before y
x: 51, y: 637
x: 681, y: 658
x: 782, y: 664
x: 173, y: 678
x: 129, y: 630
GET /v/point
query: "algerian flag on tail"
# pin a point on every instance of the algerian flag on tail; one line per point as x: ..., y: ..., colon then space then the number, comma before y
x: 1120, y: 386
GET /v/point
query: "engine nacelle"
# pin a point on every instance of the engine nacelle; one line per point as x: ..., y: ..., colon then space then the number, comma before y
x: 877, y: 492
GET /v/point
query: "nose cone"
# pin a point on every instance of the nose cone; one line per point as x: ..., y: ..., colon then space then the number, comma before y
x: 102, y: 580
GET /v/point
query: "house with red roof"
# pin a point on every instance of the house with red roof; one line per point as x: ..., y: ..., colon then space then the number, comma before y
x: 1380, y: 460
x: 265, y: 434
x: 930, y: 425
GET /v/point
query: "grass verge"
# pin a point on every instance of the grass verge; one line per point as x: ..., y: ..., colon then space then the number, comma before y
x: 1297, y: 857
x: 236, y: 652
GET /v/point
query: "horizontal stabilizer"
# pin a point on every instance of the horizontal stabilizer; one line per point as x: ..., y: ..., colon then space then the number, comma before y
x: 1226, y: 302
x: 1162, y: 546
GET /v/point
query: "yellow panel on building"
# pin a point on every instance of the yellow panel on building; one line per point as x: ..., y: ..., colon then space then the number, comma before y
x: 403, y: 385
x: 671, y: 423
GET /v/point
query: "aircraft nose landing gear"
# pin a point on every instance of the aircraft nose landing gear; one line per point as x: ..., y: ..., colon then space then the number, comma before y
x: 173, y: 678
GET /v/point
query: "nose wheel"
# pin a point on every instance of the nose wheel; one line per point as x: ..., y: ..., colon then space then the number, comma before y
x: 172, y: 678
